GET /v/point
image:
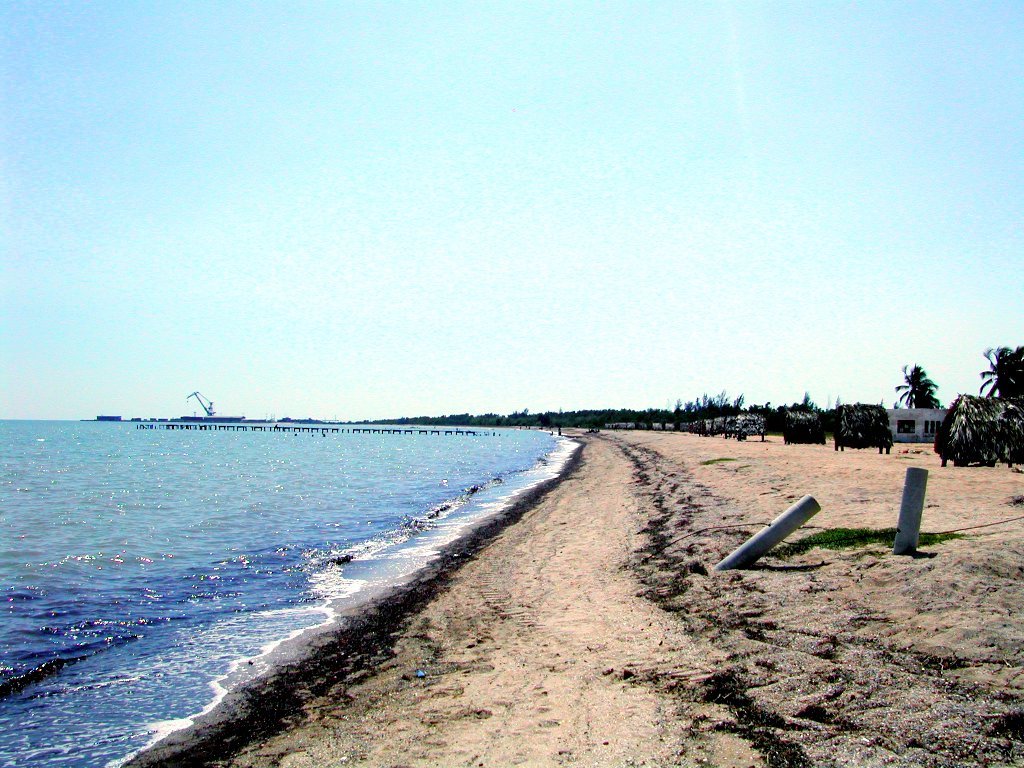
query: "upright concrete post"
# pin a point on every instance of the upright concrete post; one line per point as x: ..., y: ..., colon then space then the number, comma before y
x: 908, y: 529
x: 777, y: 530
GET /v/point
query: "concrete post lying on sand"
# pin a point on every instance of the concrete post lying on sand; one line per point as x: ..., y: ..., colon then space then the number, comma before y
x: 908, y: 529
x: 777, y: 530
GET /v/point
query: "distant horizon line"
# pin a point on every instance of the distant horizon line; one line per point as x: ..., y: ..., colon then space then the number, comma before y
x: 524, y: 414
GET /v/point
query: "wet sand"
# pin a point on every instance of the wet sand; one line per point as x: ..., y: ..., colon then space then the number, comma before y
x: 591, y: 631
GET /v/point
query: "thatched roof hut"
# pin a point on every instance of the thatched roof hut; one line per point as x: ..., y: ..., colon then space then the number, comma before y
x: 862, y: 426
x: 744, y: 425
x: 982, y: 430
x: 714, y: 426
x: 803, y: 427
x: 753, y: 424
x: 696, y: 427
x: 1011, y: 429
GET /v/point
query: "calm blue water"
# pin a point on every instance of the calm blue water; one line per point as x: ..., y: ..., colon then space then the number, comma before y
x: 138, y: 566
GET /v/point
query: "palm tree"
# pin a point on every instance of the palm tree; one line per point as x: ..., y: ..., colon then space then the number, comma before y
x: 1005, y: 376
x: 918, y: 390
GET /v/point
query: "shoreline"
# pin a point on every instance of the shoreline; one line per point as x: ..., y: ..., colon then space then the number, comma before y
x: 594, y: 632
x: 533, y: 653
x: 318, y: 658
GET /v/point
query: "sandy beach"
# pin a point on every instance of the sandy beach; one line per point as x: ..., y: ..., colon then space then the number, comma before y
x: 591, y: 630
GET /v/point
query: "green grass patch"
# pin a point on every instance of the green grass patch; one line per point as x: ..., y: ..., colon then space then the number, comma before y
x: 851, y: 538
x: 716, y: 461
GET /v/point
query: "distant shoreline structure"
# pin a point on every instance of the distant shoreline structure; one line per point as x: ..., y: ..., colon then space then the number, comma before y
x: 210, y: 420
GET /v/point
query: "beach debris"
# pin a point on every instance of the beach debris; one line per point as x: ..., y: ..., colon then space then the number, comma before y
x: 862, y: 426
x: 908, y: 529
x: 982, y: 430
x: 803, y: 427
x: 757, y: 545
x: 420, y: 673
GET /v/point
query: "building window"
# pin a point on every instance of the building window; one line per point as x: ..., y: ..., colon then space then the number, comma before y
x: 906, y: 426
x: 931, y: 427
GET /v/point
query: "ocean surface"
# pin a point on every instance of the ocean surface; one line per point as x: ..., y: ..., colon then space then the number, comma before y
x: 139, y: 569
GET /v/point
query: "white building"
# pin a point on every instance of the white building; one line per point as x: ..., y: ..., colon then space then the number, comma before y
x: 915, y: 425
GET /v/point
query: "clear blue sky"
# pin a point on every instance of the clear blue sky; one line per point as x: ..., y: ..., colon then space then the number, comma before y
x: 367, y: 210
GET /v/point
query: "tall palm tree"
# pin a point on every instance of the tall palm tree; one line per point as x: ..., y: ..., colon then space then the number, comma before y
x: 1005, y: 376
x: 918, y: 390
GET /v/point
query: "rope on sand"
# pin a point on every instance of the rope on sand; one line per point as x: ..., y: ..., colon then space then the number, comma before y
x: 662, y: 548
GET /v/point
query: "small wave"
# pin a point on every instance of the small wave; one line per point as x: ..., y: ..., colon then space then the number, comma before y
x: 104, y: 683
x: 83, y: 649
x: 47, y: 669
x: 330, y: 584
x: 372, y: 548
x: 239, y: 671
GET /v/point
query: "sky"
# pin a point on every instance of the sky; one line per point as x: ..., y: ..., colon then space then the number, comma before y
x: 364, y: 210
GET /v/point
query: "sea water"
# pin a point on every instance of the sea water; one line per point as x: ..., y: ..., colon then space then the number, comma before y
x: 138, y: 567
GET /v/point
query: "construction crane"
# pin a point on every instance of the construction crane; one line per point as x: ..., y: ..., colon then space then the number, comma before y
x: 206, y: 402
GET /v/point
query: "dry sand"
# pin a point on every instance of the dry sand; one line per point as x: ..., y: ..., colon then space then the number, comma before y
x: 590, y: 632
x: 852, y: 657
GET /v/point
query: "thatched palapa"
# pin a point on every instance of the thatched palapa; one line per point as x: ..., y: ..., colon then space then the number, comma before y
x: 862, y: 426
x: 982, y: 430
x: 708, y: 427
x: 1011, y: 427
x: 744, y: 425
x: 803, y: 427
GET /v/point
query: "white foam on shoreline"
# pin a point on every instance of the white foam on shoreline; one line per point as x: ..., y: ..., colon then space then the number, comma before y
x: 340, y: 593
x: 240, y: 670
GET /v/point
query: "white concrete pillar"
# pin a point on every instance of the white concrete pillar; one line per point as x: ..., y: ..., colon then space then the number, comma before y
x: 777, y: 530
x: 908, y: 529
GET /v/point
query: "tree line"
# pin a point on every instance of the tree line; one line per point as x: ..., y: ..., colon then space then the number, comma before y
x: 1003, y: 378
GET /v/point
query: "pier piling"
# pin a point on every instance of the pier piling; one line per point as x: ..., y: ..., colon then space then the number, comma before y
x: 295, y: 429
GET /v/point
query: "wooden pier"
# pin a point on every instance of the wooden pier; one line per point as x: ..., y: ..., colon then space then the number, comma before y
x: 310, y: 429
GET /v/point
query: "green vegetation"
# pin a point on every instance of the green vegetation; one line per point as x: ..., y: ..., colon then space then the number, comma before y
x: 1005, y: 379
x: 703, y: 407
x: 918, y: 390
x: 851, y: 538
x: 716, y: 461
x: 1005, y: 376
